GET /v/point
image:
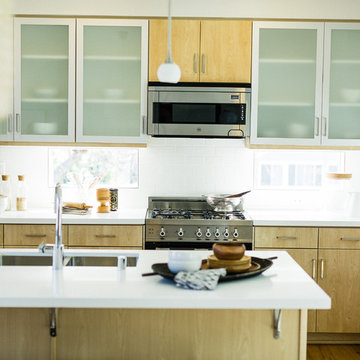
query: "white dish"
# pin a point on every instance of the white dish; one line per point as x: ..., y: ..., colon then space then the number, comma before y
x: 43, y: 128
x: 46, y: 92
x: 184, y: 260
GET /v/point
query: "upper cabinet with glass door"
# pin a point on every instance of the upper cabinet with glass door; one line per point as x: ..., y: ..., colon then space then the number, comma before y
x: 44, y: 79
x: 111, y: 80
x: 286, y: 83
x: 341, y: 95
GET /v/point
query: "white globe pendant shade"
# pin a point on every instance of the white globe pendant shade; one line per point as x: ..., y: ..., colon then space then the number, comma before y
x: 169, y: 72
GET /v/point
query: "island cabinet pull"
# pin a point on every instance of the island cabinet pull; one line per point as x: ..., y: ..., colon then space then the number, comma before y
x: 35, y: 235
x: 105, y: 236
x: 286, y: 237
x: 203, y: 63
x: 314, y: 268
x: 322, y: 268
x: 350, y: 239
x: 317, y: 126
x: 195, y: 62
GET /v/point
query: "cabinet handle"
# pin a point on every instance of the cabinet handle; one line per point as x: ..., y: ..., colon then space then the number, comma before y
x: 18, y: 122
x: 317, y: 126
x: 314, y: 268
x: 325, y: 126
x: 350, y: 239
x: 10, y: 123
x: 286, y: 237
x: 321, y: 268
x: 35, y: 235
x: 195, y: 62
x: 144, y: 124
x: 203, y: 63
x: 105, y: 236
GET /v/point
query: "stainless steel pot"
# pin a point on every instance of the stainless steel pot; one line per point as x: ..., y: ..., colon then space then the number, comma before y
x: 225, y: 202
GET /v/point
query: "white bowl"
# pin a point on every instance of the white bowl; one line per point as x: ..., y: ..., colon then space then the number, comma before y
x: 45, y: 128
x: 351, y: 95
x: 184, y: 260
x: 3, y: 203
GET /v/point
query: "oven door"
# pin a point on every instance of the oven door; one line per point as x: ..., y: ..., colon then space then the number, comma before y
x: 194, y: 113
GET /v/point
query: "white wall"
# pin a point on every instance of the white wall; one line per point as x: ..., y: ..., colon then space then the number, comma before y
x: 305, y: 9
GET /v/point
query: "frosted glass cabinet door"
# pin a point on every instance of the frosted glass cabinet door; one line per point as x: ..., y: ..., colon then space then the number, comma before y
x: 341, y: 96
x: 112, y: 79
x: 286, y: 78
x: 44, y: 79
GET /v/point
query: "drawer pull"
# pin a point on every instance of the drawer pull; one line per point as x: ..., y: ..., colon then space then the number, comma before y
x: 105, y: 236
x: 314, y: 268
x: 35, y: 235
x: 321, y: 268
x: 350, y: 239
x: 286, y: 237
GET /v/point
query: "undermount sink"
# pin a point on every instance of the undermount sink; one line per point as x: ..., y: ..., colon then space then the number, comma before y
x: 31, y: 258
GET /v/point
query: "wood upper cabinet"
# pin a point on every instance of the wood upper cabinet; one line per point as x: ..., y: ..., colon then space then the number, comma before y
x: 126, y: 236
x: 26, y: 235
x: 185, y: 47
x: 205, y: 50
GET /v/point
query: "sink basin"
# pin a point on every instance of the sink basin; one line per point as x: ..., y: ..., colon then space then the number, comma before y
x: 31, y: 257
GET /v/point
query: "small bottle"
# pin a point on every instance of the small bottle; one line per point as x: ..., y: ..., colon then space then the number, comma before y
x: 21, y: 201
x: 6, y: 189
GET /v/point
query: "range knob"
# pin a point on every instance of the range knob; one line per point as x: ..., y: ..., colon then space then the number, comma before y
x: 181, y: 232
x: 226, y: 233
x: 198, y: 233
x: 208, y: 233
x: 217, y: 233
x: 162, y: 232
x: 235, y: 234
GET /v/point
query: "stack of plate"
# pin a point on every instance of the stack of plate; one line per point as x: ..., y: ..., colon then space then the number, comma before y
x: 232, y: 266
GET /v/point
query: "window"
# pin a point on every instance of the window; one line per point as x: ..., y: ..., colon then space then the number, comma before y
x: 86, y: 168
x: 295, y: 169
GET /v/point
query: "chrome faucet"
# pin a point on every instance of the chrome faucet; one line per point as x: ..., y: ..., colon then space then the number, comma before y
x: 57, y: 249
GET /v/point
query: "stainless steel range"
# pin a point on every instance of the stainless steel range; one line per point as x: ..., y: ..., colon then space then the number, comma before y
x: 190, y: 223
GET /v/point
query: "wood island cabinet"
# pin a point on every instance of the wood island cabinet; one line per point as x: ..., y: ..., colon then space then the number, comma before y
x: 205, y: 50
x: 331, y: 256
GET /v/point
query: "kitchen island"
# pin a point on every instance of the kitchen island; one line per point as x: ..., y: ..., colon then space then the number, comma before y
x: 102, y: 312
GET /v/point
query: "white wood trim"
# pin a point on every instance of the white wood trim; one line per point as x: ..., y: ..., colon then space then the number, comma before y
x: 257, y: 25
x: 142, y: 138
x: 70, y: 137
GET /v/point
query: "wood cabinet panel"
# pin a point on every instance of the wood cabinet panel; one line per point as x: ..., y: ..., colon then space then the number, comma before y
x: 31, y: 235
x: 106, y: 235
x: 226, y: 45
x: 307, y: 259
x: 109, y: 333
x: 340, y: 280
x: 339, y: 238
x: 24, y: 334
x: 286, y: 237
x: 185, y: 38
x: 2, y: 235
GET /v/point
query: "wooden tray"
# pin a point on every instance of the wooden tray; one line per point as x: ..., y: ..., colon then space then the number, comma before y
x: 257, y: 267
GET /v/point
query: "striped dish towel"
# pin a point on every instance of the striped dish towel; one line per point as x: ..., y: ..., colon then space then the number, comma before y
x: 199, y: 280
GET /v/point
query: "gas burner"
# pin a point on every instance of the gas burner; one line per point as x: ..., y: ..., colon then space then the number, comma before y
x: 196, y: 214
x: 171, y: 214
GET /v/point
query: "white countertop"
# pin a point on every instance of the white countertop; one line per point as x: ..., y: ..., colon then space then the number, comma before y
x: 47, y: 216
x: 302, y: 218
x: 285, y: 285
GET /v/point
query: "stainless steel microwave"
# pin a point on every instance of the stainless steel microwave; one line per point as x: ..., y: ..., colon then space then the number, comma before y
x: 198, y: 111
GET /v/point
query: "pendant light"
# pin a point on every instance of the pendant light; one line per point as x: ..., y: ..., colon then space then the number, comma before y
x: 169, y: 72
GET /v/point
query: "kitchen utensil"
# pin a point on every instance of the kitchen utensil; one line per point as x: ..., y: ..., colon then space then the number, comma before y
x: 76, y: 205
x: 224, y: 202
x: 103, y: 196
x: 258, y: 266
x: 229, y: 251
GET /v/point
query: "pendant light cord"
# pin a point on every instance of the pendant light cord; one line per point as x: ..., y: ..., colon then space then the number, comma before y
x: 169, y: 57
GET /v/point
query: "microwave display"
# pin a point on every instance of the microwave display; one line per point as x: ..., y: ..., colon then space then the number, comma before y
x: 197, y: 113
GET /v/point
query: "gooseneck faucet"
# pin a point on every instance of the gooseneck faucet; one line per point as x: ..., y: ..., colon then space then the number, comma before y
x: 58, y: 252
x: 58, y: 248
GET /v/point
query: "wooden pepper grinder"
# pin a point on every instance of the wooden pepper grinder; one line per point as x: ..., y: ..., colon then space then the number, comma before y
x: 103, y: 197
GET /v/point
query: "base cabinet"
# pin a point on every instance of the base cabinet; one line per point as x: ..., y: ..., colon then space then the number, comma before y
x: 333, y: 262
